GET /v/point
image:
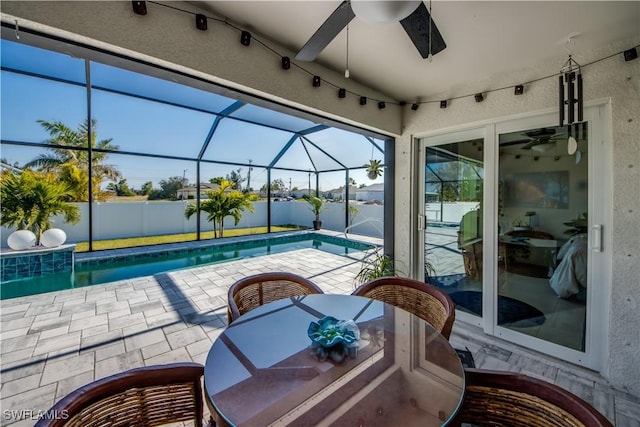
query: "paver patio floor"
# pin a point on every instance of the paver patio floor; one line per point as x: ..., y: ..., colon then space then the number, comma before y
x: 55, y: 342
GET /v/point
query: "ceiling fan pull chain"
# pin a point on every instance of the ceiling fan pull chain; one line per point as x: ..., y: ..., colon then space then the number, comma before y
x: 430, y: 37
x: 346, y: 72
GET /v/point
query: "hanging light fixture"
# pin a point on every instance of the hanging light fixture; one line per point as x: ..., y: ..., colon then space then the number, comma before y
x: 201, y: 22
x: 139, y: 7
x: 543, y: 148
x: 383, y: 12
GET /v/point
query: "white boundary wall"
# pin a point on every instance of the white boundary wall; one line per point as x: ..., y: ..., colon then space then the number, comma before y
x: 139, y: 219
x: 451, y: 211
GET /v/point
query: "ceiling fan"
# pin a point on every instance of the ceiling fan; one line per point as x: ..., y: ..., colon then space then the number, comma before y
x: 417, y: 23
x: 542, y: 139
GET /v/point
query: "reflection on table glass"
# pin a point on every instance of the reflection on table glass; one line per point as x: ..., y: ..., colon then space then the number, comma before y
x: 260, y: 371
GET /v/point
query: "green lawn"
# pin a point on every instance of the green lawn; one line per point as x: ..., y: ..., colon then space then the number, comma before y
x: 173, y: 238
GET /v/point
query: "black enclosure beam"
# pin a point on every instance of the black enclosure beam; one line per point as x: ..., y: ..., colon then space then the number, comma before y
x: 87, y: 71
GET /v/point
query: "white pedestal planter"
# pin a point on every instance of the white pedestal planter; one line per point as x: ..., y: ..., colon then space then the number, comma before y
x: 21, y: 240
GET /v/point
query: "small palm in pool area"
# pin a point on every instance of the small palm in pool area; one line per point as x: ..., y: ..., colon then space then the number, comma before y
x: 221, y: 203
x: 31, y: 199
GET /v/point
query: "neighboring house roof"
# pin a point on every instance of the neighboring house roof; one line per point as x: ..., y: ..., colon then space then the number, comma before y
x: 340, y: 190
x: 373, y: 187
x: 4, y: 165
x: 203, y: 186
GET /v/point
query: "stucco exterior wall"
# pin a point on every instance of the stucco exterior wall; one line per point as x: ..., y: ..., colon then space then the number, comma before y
x: 612, y: 78
x: 169, y: 38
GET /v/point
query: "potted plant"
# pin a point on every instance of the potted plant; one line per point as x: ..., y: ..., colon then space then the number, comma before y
x: 374, y: 168
x: 578, y: 225
x: 519, y: 224
x: 376, y: 264
x: 530, y: 215
x: 316, y: 204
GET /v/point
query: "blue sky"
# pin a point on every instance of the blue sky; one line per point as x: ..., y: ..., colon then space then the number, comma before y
x: 140, y: 125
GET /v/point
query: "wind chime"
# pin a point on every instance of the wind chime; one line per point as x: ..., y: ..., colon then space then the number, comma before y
x: 570, y: 73
x: 570, y: 98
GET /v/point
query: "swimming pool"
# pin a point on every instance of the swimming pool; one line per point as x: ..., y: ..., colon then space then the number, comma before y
x: 99, y: 269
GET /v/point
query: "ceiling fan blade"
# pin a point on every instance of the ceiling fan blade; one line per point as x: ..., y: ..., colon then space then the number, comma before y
x: 417, y: 27
x: 517, y: 142
x: 326, y: 33
x: 541, y: 133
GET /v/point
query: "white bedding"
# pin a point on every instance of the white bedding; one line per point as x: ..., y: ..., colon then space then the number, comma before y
x: 571, y: 272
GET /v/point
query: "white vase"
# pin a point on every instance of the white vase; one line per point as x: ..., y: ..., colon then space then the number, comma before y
x: 53, y: 237
x: 21, y: 239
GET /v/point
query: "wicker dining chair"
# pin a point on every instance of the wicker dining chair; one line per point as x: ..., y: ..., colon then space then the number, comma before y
x: 498, y: 398
x: 147, y: 396
x: 424, y: 300
x: 253, y: 291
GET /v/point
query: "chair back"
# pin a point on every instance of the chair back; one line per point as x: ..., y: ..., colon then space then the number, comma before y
x: 498, y: 398
x: 147, y: 396
x: 424, y: 300
x: 254, y: 291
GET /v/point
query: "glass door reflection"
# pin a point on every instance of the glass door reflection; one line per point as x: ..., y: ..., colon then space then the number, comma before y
x: 454, y: 184
x: 542, y: 240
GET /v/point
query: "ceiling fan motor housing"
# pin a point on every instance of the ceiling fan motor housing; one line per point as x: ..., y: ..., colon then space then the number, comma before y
x: 383, y: 12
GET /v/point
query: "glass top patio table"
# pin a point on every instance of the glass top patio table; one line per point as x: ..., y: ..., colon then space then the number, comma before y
x: 261, y: 371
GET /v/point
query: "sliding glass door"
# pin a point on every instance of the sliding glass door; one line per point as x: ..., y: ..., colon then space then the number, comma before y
x: 453, y: 215
x: 542, y: 238
x: 513, y: 232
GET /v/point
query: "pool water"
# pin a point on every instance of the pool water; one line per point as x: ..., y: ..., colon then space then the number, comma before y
x: 98, y: 271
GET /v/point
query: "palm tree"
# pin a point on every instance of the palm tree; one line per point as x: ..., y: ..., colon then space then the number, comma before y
x: 76, y: 155
x: 30, y: 199
x: 315, y: 204
x: 221, y: 203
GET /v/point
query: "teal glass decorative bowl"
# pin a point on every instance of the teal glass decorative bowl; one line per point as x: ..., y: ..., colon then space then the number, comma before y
x: 333, y: 339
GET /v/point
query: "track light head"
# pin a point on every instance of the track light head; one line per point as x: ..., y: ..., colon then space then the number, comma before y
x: 518, y: 90
x: 479, y: 97
x: 316, y: 81
x: 139, y: 7
x: 443, y: 104
x: 342, y: 93
x: 381, y: 105
x: 363, y: 100
x: 415, y: 106
x: 245, y: 38
x: 201, y: 22
x: 286, y: 62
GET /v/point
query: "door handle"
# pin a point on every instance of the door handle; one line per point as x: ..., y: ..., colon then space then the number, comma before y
x: 421, y: 222
x: 597, y: 237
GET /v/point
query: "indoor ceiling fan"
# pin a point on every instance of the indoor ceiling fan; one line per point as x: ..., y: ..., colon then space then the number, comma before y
x: 542, y: 140
x: 412, y: 15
